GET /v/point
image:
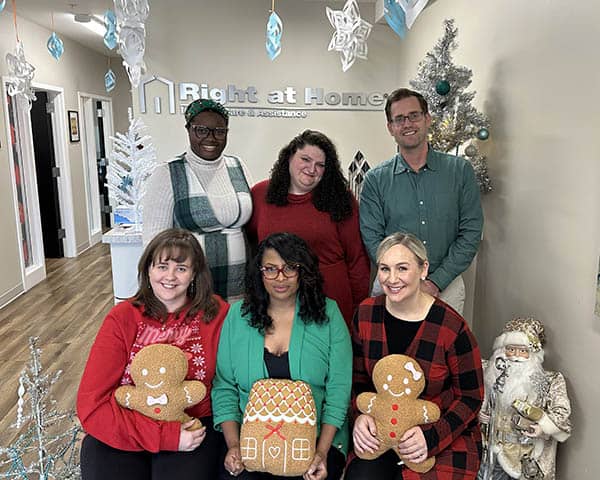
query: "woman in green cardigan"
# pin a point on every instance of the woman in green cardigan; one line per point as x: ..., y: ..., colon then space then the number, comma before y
x: 285, y: 328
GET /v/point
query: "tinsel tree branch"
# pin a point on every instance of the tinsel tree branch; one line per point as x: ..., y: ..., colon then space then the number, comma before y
x: 454, y: 120
x: 47, y: 449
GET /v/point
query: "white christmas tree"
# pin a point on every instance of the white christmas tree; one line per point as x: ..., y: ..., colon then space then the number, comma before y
x: 48, y: 448
x: 130, y: 164
x: 455, y: 122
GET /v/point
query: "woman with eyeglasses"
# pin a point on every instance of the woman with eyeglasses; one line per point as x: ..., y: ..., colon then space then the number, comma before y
x: 285, y: 328
x: 206, y: 192
x: 308, y: 195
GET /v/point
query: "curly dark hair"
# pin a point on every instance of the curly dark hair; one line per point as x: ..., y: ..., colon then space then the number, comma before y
x: 331, y: 194
x: 294, y: 251
x: 178, y: 245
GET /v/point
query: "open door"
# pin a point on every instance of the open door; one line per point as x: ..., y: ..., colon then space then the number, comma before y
x: 47, y: 173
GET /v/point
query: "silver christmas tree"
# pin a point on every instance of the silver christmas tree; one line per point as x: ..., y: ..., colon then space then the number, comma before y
x: 48, y: 447
x: 455, y: 122
x: 130, y: 164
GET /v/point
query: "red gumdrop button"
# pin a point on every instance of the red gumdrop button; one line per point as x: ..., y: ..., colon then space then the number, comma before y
x: 395, y: 406
x: 157, y: 410
x: 393, y: 434
x: 394, y: 421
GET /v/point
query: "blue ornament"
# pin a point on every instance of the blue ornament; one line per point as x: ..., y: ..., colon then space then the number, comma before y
x: 55, y: 45
x: 274, y: 32
x: 394, y: 16
x: 442, y: 87
x: 483, y: 134
x: 126, y: 182
x: 2, y: 4
x: 110, y: 80
x: 110, y: 37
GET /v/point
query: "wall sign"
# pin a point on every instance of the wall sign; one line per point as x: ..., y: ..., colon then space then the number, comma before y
x: 287, y: 102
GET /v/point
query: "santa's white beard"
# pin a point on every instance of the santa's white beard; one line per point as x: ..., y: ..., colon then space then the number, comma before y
x: 519, y: 384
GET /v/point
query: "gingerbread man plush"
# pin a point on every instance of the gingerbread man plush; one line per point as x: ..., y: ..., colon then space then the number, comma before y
x: 399, y: 380
x: 161, y: 391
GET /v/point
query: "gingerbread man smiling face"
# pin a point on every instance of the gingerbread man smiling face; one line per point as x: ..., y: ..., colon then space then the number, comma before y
x: 161, y: 391
x: 399, y: 380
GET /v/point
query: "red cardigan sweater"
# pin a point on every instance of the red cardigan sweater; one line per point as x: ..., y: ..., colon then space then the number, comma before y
x: 123, y: 333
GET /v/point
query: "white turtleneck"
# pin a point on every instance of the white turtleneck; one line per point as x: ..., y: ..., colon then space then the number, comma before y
x: 212, y: 175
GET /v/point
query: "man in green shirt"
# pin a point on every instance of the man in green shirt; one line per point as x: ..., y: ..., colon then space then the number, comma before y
x: 430, y: 194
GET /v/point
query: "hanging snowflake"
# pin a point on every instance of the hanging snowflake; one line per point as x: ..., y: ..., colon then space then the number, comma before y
x: 351, y: 33
x: 131, y: 18
x: 394, y: 16
x: 110, y: 37
x: 274, y: 32
x: 130, y: 164
x: 21, y: 74
x: 55, y: 46
x: 110, y: 80
x: 412, y: 9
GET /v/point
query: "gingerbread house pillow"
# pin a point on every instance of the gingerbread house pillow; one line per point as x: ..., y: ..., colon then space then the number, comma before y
x: 279, y: 429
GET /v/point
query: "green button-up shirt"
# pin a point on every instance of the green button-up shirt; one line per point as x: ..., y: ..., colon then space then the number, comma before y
x: 439, y: 204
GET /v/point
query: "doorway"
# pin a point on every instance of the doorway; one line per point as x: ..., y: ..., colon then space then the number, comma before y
x: 97, y: 131
x: 47, y: 174
x: 26, y: 175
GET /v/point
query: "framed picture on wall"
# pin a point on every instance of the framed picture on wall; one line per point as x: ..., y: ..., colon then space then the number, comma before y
x: 73, y: 125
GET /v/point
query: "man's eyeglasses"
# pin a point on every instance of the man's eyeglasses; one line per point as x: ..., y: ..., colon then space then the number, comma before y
x: 271, y: 272
x: 202, y: 132
x: 411, y: 117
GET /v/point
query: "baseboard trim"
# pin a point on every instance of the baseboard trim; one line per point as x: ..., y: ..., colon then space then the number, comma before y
x: 11, y: 295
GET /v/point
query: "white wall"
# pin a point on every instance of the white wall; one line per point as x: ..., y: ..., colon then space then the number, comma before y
x: 536, y: 72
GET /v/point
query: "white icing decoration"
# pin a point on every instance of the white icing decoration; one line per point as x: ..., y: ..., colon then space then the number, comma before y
x: 410, y: 366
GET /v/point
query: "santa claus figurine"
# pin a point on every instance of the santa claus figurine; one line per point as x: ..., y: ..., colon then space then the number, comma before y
x: 526, y: 409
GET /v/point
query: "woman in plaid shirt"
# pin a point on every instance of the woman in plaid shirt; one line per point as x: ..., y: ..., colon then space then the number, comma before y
x: 408, y: 321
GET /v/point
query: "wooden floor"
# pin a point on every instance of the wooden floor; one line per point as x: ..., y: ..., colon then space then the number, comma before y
x: 65, y: 312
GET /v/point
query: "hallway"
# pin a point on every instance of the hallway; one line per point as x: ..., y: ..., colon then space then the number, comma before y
x: 64, y: 311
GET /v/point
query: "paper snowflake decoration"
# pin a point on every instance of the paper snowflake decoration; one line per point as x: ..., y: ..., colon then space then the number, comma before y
x: 351, y: 32
x: 21, y: 74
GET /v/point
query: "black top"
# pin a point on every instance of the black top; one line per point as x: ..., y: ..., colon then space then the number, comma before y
x: 278, y: 366
x: 400, y: 333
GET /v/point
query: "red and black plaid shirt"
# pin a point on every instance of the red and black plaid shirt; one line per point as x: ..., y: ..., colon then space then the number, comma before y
x: 448, y: 354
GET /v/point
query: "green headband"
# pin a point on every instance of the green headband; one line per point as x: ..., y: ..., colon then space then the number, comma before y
x: 202, y: 105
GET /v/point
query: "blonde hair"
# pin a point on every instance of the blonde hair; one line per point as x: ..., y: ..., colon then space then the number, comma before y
x: 409, y: 241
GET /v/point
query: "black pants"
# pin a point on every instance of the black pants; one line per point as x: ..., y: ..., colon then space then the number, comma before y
x: 335, y: 467
x: 382, y: 468
x: 101, y: 462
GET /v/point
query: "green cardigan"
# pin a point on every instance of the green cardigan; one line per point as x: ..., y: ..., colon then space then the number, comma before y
x: 320, y: 355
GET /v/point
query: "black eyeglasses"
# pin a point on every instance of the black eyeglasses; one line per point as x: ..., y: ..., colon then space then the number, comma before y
x: 272, y: 272
x: 411, y: 117
x: 202, y: 132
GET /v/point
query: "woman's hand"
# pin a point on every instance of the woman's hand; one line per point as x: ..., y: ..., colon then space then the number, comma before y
x: 412, y: 446
x: 233, y: 461
x: 364, y: 433
x: 190, y: 440
x: 317, y: 469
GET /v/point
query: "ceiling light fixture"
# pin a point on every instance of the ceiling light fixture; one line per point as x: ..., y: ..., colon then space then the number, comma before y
x: 94, y: 24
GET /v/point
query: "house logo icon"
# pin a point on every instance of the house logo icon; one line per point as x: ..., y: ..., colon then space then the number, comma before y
x: 157, y: 101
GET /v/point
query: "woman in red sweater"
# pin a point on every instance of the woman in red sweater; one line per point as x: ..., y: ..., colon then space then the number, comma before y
x: 308, y: 195
x: 174, y: 305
